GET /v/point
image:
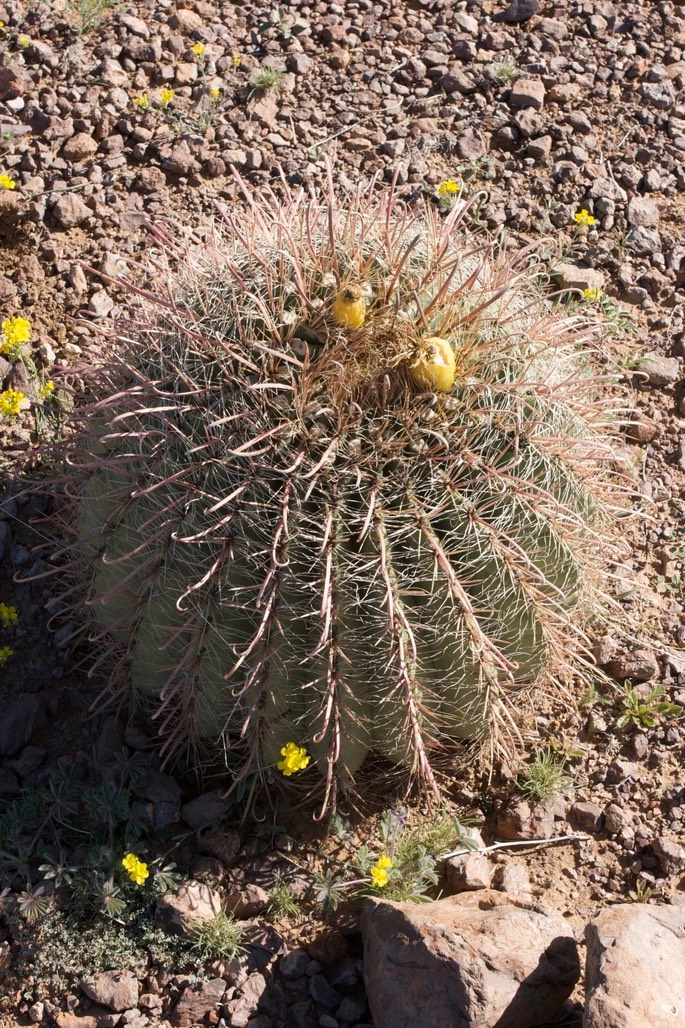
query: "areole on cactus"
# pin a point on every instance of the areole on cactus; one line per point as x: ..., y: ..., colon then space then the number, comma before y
x: 294, y: 527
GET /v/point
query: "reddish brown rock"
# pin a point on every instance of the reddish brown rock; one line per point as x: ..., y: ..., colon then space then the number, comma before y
x: 476, y: 959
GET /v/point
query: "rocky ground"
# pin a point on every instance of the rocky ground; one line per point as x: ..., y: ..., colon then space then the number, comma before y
x: 541, y: 109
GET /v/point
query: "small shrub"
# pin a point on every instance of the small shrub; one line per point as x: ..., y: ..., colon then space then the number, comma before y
x: 282, y: 903
x: 545, y: 778
x: 219, y: 939
x: 505, y: 71
x: 266, y: 79
x: 644, y: 711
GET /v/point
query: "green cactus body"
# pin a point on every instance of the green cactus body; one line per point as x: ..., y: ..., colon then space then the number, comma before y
x: 286, y: 540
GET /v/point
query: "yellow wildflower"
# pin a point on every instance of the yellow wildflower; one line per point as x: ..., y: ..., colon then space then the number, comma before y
x: 16, y: 331
x: 137, y: 869
x: 295, y: 758
x: 236, y: 60
x: 166, y: 96
x: 24, y: 41
x: 5, y: 654
x: 7, y: 182
x: 198, y: 49
x: 47, y: 389
x: 593, y: 293
x: 142, y: 101
x: 379, y: 872
x: 10, y: 402
x: 8, y: 615
x: 584, y: 218
x: 448, y: 187
x: 2, y: 24
x: 215, y: 92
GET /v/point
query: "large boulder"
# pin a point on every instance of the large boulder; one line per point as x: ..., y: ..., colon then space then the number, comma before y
x: 635, y: 971
x: 477, y: 960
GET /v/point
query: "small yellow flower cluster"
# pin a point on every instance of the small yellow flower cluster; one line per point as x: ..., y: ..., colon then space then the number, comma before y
x: 142, y: 101
x: 236, y: 60
x: 379, y: 872
x: 215, y: 92
x: 8, y: 615
x: 137, y: 869
x: 448, y: 187
x: 584, y: 218
x: 166, y: 96
x: 593, y: 293
x: 7, y: 182
x: 5, y: 654
x: 198, y: 49
x: 10, y: 402
x: 15, y: 331
x: 47, y: 389
x: 24, y: 41
x: 295, y: 758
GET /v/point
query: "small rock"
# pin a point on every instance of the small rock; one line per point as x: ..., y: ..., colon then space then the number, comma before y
x: 243, y: 1006
x: 196, y: 1001
x: 204, y: 810
x: 100, y: 303
x: 185, y: 20
x: 13, y: 82
x: 294, y: 964
x: 660, y: 95
x: 468, y: 871
x: 247, y: 901
x: 522, y: 10
x: 70, y: 211
x: 607, y: 189
x: 643, y: 212
x: 639, y: 665
x: 194, y: 901
x: 670, y: 854
x: 525, y: 820
x: 117, y: 990
x: 527, y: 93
x: 585, y: 816
x: 300, y: 64
x: 644, y: 240
x: 36, y: 1012
x: 513, y: 879
x: 79, y: 147
x: 225, y: 846
x: 323, y: 993
x: 539, y: 148
x: 577, y: 276
x: 22, y: 716
x: 635, y: 967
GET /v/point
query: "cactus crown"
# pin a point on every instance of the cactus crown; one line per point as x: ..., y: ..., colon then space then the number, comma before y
x: 295, y: 526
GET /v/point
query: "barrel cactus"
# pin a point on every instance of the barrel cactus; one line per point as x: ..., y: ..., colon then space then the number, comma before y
x: 347, y: 490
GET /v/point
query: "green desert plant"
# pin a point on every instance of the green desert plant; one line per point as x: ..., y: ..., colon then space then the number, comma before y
x: 220, y: 938
x: 349, y: 489
x: 266, y: 79
x: 644, y: 710
x: 545, y: 777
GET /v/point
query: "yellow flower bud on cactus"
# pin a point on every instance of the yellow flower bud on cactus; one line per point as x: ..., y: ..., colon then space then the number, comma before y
x: 349, y: 306
x: 435, y: 366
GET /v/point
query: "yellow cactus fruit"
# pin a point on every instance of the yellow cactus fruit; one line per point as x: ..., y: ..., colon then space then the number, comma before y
x: 436, y: 366
x: 349, y: 306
